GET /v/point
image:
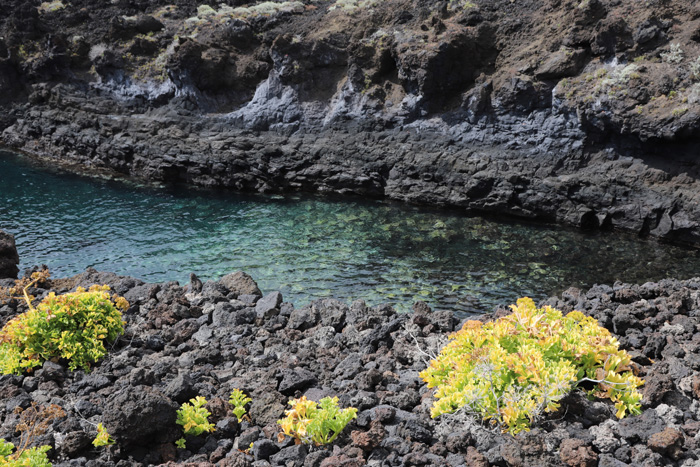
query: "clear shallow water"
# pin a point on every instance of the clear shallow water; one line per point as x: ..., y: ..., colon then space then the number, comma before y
x: 310, y: 247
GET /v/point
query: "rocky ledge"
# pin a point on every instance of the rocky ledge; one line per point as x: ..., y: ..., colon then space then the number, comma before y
x: 179, y: 344
x: 579, y: 112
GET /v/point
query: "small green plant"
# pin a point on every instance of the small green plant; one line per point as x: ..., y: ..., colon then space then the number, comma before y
x: 308, y: 422
x: 33, y: 422
x: 239, y: 400
x: 205, y: 10
x: 695, y: 69
x: 103, y: 438
x: 350, y: 6
x: 619, y: 77
x: 207, y: 14
x: 194, y: 419
x: 165, y: 12
x: 73, y: 326
x: 694, y: 94
x: 460, y: 5
x: 49, y: 7
x: 674, y: 55
x: 368, y: 84
x: 672, y: 94
x: 679, y: 111
x: 511, y: 370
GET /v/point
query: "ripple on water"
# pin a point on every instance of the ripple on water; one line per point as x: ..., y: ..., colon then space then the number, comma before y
x: 311, y: 247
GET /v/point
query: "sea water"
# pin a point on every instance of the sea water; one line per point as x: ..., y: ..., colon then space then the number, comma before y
x: 311, y: 247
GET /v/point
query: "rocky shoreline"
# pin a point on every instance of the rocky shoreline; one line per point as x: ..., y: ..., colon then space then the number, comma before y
x: 588, y: 118
x: 179, y: 344
x: 513, y: 170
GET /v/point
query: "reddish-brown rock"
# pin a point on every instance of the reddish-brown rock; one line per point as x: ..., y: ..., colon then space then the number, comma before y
x: 575, y: 453
x: 668, y: 442
x: 696, y: 386
x: 474, y: 458
x: 368, y: 440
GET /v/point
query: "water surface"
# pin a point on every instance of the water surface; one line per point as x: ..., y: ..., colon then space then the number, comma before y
x: 312, y: 247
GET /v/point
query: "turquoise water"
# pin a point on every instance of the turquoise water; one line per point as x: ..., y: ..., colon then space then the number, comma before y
x: 311, y: 247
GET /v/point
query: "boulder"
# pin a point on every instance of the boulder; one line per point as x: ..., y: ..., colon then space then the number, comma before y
x: 240, y: 283
x: 9, y: 259
x: 140, y: 415
x: 268, y: 306
x: 564, y: 62
x: 574, y: 452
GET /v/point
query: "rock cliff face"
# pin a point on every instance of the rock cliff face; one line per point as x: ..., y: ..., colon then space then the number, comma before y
x: 8, y: 256
x: 584, y: 113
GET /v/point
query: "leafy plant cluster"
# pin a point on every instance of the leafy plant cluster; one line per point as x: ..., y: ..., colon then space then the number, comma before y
x: 674, y: 55
x: 511, y: 370
x: 207, y: 14
x: 460, y: 5
x: 73, y: 326
x: 308, y: 422
x: 194, y: 419
x: 350, y: 6
x: 33, y: 457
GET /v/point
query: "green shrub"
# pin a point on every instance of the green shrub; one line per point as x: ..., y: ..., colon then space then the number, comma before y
x: 239, y: 400
x: 513, y: 369
x: 695, y: 69
x: 73, y: 326
x: 679, y: 111
x: 50, y: 7
x: 194, y: 419
x: 459, y: 5
x: 675, y: 54
x: 350, y: 6
x: 267, y: 9
x: 308, y: 422
x: 205, y: 10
